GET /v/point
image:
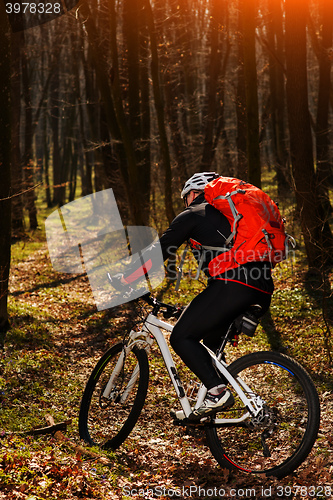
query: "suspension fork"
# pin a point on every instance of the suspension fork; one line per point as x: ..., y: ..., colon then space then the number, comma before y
x: 135, y: 337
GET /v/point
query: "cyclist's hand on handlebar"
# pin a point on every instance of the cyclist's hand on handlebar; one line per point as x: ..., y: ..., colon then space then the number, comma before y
x: 179, y: 311
x: 173, y: 312
x: 118, y: 283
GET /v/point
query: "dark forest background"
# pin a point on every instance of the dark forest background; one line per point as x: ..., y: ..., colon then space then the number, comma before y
x: 137, y: 95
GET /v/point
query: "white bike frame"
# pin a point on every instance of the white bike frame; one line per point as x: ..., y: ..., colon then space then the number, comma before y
x: 151, y: 329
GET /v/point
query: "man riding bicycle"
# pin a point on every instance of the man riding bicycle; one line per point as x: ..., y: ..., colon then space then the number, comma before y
x: 226, y: 296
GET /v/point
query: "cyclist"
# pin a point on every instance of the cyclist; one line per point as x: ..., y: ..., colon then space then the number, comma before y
x: 226, y: 296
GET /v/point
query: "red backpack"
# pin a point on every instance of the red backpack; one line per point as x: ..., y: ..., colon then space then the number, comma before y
x: 257, y: 228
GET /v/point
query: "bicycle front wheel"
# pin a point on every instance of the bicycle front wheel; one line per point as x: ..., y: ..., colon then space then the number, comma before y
x: 114, y: 397
x: 280, y: 438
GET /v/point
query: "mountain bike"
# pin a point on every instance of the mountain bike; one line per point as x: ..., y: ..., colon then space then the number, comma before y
x: 270, y: 429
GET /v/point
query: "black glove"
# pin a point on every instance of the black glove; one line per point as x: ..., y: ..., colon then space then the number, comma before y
x: 117, y: 284
x: 126, y: 290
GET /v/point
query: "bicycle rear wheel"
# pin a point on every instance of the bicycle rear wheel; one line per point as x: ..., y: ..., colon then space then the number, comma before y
x: 282, y: 436
x: 107, y: 421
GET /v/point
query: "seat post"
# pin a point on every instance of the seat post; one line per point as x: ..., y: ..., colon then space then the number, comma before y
x: 224, y: 341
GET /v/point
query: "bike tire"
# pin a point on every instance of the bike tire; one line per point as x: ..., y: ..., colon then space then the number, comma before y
x: 292, y: 418
x: 106, y: 423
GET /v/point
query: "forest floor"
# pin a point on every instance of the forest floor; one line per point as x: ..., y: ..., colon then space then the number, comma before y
x: 57, y: 335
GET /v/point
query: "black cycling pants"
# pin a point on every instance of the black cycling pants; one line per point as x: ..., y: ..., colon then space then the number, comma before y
x: 208, y: 318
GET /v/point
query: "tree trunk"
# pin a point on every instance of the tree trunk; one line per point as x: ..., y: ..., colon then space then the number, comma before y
x: 27, y: 157
x: 47, y: 164
x: 189, y: 43
x: 134, y: 23
x: 171, y: 99
x: 16, y: 161
x: 133, y: 175
x: 214, y: 69
x: 87, y: 116
x: 316, y: 231
x: 54, y: 121
x: 251, y: 92
x: 159, y: 106
x: 275, y: 39
x: 240, y: 100
x: 144, y: 77
x: 131, y: 20
x: 324, y: 166
x: 5, y: 184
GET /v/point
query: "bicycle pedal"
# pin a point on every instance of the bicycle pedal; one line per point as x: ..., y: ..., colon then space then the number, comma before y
x: 177, y: 415
x: 185, y: 422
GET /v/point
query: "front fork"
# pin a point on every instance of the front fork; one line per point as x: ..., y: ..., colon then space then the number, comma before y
x: 136, y: 338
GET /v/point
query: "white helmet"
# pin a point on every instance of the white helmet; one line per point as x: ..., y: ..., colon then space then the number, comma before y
x: 198, y: 182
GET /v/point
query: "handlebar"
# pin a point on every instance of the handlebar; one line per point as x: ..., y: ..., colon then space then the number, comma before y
x: 168, y: 310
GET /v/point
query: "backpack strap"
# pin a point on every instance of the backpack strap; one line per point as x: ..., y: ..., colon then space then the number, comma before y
x: 236, y: 215
x: 288, y: 240
x: 202, y: 257
x: 292, y: 241
x: 202, y: 249
x: 268, y: 241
